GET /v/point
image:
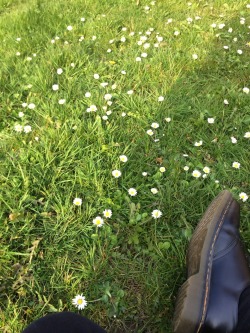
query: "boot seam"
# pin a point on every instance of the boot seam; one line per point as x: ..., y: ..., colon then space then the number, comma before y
x: 209, y: 266
x: 224, y: 252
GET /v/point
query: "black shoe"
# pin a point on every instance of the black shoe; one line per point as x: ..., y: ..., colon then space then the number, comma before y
x: 218, y: 272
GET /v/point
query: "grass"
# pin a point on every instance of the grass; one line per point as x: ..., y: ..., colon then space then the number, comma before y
x: 132, y: 267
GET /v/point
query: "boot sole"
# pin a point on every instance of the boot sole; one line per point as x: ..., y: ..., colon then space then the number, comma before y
x: 192, y: 299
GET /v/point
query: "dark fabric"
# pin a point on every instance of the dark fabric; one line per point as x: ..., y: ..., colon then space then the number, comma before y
x: 244, y: 312
x: 63, y: 322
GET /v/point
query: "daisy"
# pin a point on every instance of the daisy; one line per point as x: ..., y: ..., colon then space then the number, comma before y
x: 247, y: 135
x: 59, y: 71
x: 132, y: 191
x: 154, y: 190
x: 197, y: 144
x: 246, y: 90
x: 55, y: 87
x: 87, y: 94
x: 96, y: 76
x: 144, y: 174
x: 186, y: 168
x: 206, y: 169
x: 196, y: 174
x: 107, y: 97
x: 233, y: 139
x: 160, y: 99
x: 123, y: 158
x: 31, y: 106
x: 243, y: 196
x: 107, y: 213
x: 92, y: 108
x: 154, y: 125
x: 18, y: 128
x: 116, y: 173
x: 156, y: 214
x: 77, y: 201
x: 62, y: 101
x: 236, y: 165
x: 27, y: 129
x: 98, y: 222
x: 195, y: 56
x: 80, y: 302
x: 69, y: 28
x: 20, y: 114
x: 150, y: 132
x: 162, y: 169
x: 210, y: 120
x: 168, y: 119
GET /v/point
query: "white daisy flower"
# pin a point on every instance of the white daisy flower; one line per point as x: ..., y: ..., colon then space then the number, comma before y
x: 80, y: 302
x: 196, y: 174
x: 154, y: 190
x: 18, y: 128
x: 27, y: 129
x: 186, y: 168
x: 168, y: 119
x: 210, y: 120
x: 107, y: 213
x: 98, y: 221
x: 96, y: 76
x: 243, y: 196
x: 77, y: 201
x: 92, y: 108
x: 20, y: 114
x: 198, y: 143
x: 132, y: 191
x: 233, y: 139
x: 59, y: 71
x: 116, y: 173
x: 155, y: 125
x: 162, y: 169
x: 62, y: 101
x: 247, y: 135
x: 150, y: 132
x: 31, y: 106
x: 246, y: 90
x: 236, y: 165
x: 160, y: 98
x: 156, y: 214
x: 69, y: 28
x: 123, y: 158
x: 206, y: 169
x: 55, y: 87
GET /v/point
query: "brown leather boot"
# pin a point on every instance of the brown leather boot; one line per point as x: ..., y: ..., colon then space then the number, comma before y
x: 218, y: 272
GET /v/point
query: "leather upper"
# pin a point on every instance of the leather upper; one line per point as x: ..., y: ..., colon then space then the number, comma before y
x: 230, y: 275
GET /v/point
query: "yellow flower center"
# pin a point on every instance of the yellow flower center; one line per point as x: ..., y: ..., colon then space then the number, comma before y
x: 79, y: 301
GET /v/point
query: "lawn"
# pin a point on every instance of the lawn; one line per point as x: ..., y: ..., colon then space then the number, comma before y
x: 120, y: 121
